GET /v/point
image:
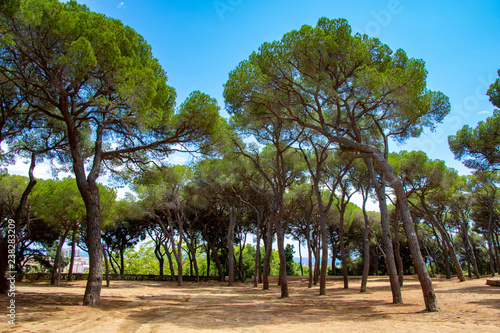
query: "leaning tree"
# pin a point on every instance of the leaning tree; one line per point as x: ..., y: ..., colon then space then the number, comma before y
x: 97, y: 80
x: 342, y: 87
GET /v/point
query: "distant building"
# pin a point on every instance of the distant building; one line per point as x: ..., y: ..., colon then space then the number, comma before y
x: 67, y: 252
x: 80, y: 265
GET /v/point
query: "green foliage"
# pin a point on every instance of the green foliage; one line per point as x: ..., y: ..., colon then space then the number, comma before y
x: 494, y: 92
x: 291, y: 267
x: 11, y: 187
x: 479, y: 148
x: 141, y: 260
x: 59, y: 201
x: 324, y: 75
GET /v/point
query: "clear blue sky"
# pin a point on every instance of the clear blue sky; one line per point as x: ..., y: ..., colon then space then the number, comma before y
x: 199, y: 42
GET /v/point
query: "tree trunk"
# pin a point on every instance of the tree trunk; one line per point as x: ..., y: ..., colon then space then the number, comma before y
x: 309, y: 254
x: 106, y: 261
x: 418, y: 261
x: 324, y: 238
x: 192, y: 258
x: 94, y: 283
x: 281, y: 250
x: 178, y: 257
x: 446, y: 260
x: 159, y: 257
x: 490, y: 252
x: 73, y: 246
x: 399, y: 190
x: 496, y: 244
x: 170, y: 262
x: 215, y: 255
x: 110, y: 257
x: 386, y: 234
x: 241, y: 273
x: 430, y: 261
x: 208, y: 260
x: 490, y: 236
x: 268, y: 248
x: 230, y: 246
x: 56, y: 271
x: 256, y: 273
x: 190, y: 263
x: 317, y: 260
x: 122, y: 259
x: 366, y: 247
x: 342, y: 251
x: 334, y: 254
x: 397, y: 250
x: 300, y: 259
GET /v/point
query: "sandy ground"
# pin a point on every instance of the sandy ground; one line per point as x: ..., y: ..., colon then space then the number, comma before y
x: 148, y: 306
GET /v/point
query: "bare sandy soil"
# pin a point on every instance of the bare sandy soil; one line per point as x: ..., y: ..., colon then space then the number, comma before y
x: 148, y: 306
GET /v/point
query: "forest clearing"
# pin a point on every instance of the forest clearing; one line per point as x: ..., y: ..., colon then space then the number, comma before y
x: 324, y: 155
x: 151, y: 306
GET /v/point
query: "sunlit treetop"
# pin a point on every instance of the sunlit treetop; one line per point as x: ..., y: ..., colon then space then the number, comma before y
x: 326, y: 77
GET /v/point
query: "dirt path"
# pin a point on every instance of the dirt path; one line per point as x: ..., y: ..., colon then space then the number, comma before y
x: 127, y: 306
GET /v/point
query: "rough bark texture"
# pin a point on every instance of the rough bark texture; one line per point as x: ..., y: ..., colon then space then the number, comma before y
x: 446, y: 240
x: 93, y: 289
x: 106, y: 262
x: 267, y: 258
x: 281, y: 250
x: 374, y: 153
x: 57, y: 264
x: 418, y: 260
x: 386, y: 234
x: 397, y: 247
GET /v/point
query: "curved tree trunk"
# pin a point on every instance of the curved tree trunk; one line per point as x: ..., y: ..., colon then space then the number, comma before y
x: 257, y: 259
x: 94, y: 283
x: 446, y: 240
x: 418, y: 260
x: 366, y: 247
x: 4, y: 252
x: 399, y: 190
x: 386, y: 232
x: 56, y: 271
x: 300, y: 259
x: 215, y: 255
x: 170, y: 262
x: 106, y: 262
x: 397, y: 247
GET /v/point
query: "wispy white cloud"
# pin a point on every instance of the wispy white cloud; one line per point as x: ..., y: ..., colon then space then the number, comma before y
x: 121, y: 5
x: 484, y: 112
